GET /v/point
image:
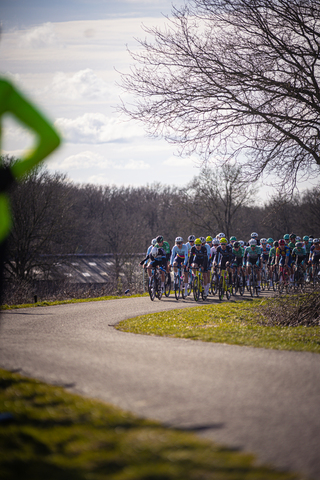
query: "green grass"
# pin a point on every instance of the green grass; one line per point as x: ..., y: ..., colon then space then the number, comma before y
x: 72, y: 300
x: 228, y: 322
x: 58, y: 435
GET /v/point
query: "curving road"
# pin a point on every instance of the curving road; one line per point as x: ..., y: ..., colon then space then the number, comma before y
x: 263, y: 401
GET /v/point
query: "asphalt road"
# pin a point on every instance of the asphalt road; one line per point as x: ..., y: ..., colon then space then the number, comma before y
x: 256, y: 400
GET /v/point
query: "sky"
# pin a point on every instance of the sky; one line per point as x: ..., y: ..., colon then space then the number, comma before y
x: 66, y: 55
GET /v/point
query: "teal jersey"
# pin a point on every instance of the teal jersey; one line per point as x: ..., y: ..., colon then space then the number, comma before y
x: 272, y: 252
x: 239, y: 253
x: 307, y: 246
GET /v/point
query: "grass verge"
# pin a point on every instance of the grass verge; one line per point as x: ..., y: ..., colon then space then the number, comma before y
x: 58, y: 435
x: 237, y: 323
x: 72, y: 300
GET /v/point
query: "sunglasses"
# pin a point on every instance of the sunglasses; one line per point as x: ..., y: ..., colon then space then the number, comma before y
x: 179, y: 243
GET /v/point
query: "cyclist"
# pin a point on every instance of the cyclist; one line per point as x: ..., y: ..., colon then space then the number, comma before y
x: 232, y: 240
x: 272, y: 259
x: 237, y: 259
x: 307, y: 245
x: 179, y: 256
x: 166, y: 247
x: 198, y: 257
x: 286, y: 238
x: 299, y: 256
x: 206, y: 275
x: 190, y: 243
x: 223, y: 257
x: 254, y: 236
x: 314, y: 254
x: 283, y: 257
x: 251, y: 257
x: 158, y: 258
x: 153, y: 243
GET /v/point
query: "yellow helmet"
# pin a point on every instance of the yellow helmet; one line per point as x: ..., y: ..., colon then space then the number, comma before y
x: 223, y: 241
x: 197, y: 241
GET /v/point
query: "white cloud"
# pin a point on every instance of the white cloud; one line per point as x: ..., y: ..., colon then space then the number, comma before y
x: 42, y: 36
x: 133, y: 165
x: 96, y: 128
x: 84, y: 84
x: 85, y: 159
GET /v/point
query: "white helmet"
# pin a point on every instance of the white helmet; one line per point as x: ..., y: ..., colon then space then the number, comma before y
x: 203, y: 240
x: 252, y: 241
x: 179, y: 240
x: 254, y: 235
x: 215, y: 241
x: 241, y: 243
x: 263, y: 240
x: 154, y: 251
x: 191, y: 238
x: 221, y: 235
x: 153, y: 241
x: 298, y: 239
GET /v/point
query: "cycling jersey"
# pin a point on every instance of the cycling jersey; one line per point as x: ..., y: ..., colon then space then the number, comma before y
x: 272, y: 256
x: 265, y: 249
x: 200, y: 257
x: 252, y: 255
x: 299, y: 256
x: 179, y: 253
x: 283, y: 254
x: 223, y: 256
x: 314, y: 254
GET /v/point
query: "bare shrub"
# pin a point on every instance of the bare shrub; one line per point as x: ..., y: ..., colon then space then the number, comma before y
x: 292, y: 311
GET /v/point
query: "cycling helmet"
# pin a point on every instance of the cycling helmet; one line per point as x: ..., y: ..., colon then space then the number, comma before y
x: 299, y: 244
x: 276, y: 243
x: 233, y: 239
x: 292, y: 235
x: 241, y: 243
x: 154, y: 251
x: 179, y: 240
x: 270, y: 240
x: 221, y: 235
x: 197, y: 241
x: 215, y: 241
x: 203, y: 240
x: 298, y: 239
x: 263, y: 240
x: 316, y: 240
x: 191, y: 238
x: 252, y: 242
x: 153, y: 241
x: 236, y: 244
x: 223, y: 241
x: 209, y: 239
x: 286, y: 236
x: 306, y: 238
x: 254, y: 235
x: 282, y: 242
x: 159, y: 239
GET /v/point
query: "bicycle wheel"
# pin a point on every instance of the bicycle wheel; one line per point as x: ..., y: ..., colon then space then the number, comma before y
x: 159, y: 288
x: 251, y: 286
x: 221, y: 288
x: 190, y: 283
x: 241, y: 286
x: 214, y: 284
x: 152, y: 287
x: 229, y: 290
x: 167, y: 285
x: 235, y: 283
x: 275, y: 280
x: 177, y: 285
x: 196, y: 289
x: 264, y: 283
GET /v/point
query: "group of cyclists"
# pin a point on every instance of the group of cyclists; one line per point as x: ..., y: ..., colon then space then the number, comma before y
x: 212, y: 253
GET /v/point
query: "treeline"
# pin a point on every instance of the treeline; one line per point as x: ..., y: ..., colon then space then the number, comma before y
x: 54, y: 216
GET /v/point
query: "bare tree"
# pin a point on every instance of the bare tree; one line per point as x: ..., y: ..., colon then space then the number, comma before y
x: 235, y: 78
x: 215, y: 199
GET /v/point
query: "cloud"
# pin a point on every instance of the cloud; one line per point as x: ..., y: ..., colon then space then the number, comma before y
x: 43, y: 36
x: 96, y: 128
x: 84, y: 84
x: 133, y: 165
x: 86, y: 159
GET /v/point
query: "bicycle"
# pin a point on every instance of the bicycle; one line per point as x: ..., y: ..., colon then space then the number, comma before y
x: 316, y: 276
x: 190, y: 281
x: 154, y: 286
x: 214, y: 281
x: 178, y: 283
x: 299, y: 278
x: 198, y: 288
x: 225, y: 287
x: 264, y: 277
x: 253, y: 281
x: 239, y: 281
x: 284, y: 279
x: 167, y: 284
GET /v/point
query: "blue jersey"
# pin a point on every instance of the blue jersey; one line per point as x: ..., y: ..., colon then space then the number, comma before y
x: 179, y: 252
